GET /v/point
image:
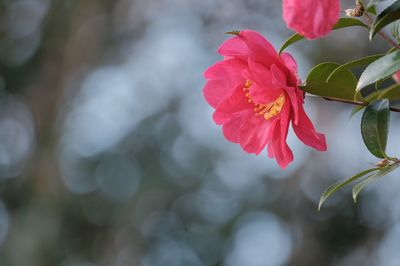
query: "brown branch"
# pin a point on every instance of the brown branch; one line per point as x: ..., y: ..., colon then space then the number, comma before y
x: 394, y: 109
x: 383, y: 35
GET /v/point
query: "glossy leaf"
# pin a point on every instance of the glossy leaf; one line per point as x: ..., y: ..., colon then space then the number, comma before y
x: 356, y: 63
x: 372, y: 178
x: 380, y: 69
x: 356, y: 109
x: 342, y: 23
x: 387, y: 16
x: 338, y: 185
x: 374, y: 2
x: 340, y: 86
x: 391, y: 50
x: 392, y: 93
x: 375, y: 127
x: 372, y: 10
x: 379, y: 82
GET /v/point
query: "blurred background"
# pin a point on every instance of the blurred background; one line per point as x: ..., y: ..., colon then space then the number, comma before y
x: 109, y: 155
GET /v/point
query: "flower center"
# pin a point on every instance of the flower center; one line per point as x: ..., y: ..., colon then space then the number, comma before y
x: 266, y: 110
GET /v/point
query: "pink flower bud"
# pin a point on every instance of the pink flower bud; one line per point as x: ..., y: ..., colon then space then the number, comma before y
x: 311, y: 18
x: 396, y: 77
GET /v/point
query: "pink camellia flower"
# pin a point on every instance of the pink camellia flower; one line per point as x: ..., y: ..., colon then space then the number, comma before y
x: 311, y: 18
x: 256, y: 96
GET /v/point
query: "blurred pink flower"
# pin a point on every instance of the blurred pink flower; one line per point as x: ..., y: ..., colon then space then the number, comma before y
x: 396, y: 77
x: 311, y: 18
x: 256, y: 96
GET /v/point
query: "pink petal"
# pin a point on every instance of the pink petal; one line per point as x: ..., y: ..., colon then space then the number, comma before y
x: 262, y: 50
x: 263, y: 95
x: 253, y: 135
x: 234, y: 104
x: 229, y: 69
x: 291, y: 65
x: 279, y: 78
x: 271, y: 151
x: 311, y: 18
x: 235, y: 47
x: 232, y: 128
x: 215, y: 91
x: 306, y: 132
x: 263, y: 91
x: 289, y: 62
x: 295, y: 102
x: 260, y: 73
x: 282, y: 153
x: 224, y: 77
x: 285, y: 120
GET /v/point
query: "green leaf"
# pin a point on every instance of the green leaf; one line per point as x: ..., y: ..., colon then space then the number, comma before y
x: 380, y: 69
x: 372, y: 178
x: 379, y: 82
x: 387, y: 16
x: 356, y: 109
x: 340, y: 184
x: 391, y: 50
x: 340, y: 86
x: 374, y: 2
x: 342, y: 23
x: 375, y: 127
x: 371, y: 10
x: 392, y: 93
x: 356, y: 63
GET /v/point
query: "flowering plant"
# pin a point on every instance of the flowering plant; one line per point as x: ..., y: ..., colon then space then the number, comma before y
x: 257, y: 93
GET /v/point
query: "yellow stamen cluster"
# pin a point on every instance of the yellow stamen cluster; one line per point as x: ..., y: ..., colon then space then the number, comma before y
x: 266, y: 110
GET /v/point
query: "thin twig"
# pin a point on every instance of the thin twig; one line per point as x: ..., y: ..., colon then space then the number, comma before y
x: 393, y: 109
x: 383, y: 35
